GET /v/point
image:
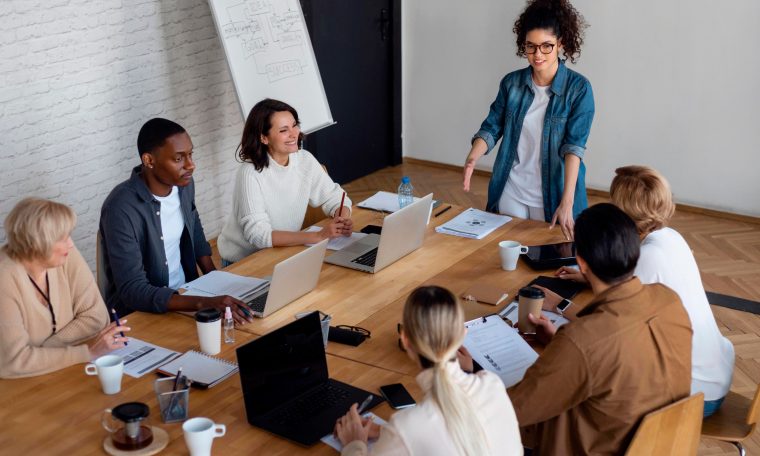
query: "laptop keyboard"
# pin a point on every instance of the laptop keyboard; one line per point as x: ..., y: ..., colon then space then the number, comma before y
x: 257, y: 304
x: 321, y: 398
x: 367, y: 259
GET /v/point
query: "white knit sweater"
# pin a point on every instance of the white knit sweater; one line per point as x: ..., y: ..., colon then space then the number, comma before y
x: 275, y: 199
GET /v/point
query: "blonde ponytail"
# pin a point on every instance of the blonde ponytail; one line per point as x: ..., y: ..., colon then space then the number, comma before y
x: 434, y: 328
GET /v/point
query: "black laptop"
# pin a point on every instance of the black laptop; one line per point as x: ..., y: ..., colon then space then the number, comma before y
x: 285, y: 384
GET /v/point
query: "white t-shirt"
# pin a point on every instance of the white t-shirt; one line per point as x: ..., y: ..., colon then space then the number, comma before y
x: 666, y: 258
x: 524, y: 182
x: 172, y: 225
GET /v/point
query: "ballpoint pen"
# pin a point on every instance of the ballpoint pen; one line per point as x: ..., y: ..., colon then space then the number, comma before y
x: 116, y: 317
x: 364, y: 405
x: 442, y: 211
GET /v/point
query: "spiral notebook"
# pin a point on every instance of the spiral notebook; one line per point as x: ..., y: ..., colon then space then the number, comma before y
x: 203, y: 370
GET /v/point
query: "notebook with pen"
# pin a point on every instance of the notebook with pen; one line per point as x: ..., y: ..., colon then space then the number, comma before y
x: 203, y: 370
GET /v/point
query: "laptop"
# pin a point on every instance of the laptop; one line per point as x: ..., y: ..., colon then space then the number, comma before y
x: 403, y: 233
x: 550, y: 256
x: 286, y: 388
x: 291, y: 279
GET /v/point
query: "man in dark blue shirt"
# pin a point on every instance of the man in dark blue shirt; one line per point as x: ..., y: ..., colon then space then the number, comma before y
x: 151, y: 233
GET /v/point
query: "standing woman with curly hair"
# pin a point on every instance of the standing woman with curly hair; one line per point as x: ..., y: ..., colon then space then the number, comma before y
x: 543, y: 116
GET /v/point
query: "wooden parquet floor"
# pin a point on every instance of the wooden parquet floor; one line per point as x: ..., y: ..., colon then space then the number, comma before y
x: 727, y: 251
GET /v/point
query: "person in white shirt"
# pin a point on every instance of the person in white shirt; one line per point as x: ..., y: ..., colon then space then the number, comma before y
x: 461, y: 413
x: 645, y: 195
x: 273, y: 186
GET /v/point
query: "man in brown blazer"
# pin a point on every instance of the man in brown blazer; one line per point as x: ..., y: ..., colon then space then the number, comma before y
x: 627, y: 353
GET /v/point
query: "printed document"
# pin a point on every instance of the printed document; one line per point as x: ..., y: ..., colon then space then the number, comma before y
x: 473, y: 224
x: 499, y: 348
x: 220, y: 283
x: 141, y: 357
x: 337, y: 243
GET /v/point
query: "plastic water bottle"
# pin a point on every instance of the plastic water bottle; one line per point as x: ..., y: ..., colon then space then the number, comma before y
x: 229, y: 327
x: 405, y: 190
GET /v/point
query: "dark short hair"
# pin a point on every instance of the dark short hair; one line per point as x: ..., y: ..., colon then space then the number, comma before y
x: 259, y: 122
x: 607, y: 239
x: 154, y: 132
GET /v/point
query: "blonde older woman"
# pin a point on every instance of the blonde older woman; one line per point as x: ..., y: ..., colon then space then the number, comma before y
x: 51, y: 313
x: 461, y: 414
x: 645, y: 195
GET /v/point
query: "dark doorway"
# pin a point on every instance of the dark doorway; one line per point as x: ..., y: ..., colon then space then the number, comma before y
x: 358, y: 49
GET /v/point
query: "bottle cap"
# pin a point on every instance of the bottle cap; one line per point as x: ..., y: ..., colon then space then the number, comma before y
x: 405, y: 180
x: 227, y: 313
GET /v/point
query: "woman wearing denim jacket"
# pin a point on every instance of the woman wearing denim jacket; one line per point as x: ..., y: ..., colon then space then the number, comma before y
x: 543, y: 115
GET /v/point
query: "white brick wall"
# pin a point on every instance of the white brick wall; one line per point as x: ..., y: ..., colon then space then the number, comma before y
x: 78, y: 78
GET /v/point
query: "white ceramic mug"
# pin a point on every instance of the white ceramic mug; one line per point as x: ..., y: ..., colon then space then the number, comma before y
x: 109, y: 369
x: 200, y: 434
x: 510, y: 251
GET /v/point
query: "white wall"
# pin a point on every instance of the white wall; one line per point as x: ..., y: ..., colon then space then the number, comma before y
x: 675, y: 83
x: 78, y: 79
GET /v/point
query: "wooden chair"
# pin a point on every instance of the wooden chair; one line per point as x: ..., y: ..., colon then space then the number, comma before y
x: 735, y: 420
x: 671, y: 430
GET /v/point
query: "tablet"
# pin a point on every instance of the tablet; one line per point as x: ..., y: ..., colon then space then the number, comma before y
x: 550, y: 256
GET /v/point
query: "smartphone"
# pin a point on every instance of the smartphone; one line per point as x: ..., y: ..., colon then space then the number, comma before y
x: 372, y: 229
x: 397, y: 396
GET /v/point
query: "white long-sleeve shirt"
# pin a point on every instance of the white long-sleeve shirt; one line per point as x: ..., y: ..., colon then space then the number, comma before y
x: 666, y: 258
x: 275, y: 199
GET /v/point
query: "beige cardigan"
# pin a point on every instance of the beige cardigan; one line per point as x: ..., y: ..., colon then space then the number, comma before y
x: 27, y: 347
x: 421, y: 430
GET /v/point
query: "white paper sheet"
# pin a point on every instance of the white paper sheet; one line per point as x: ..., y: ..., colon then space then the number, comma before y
x: 499, y: 348
x: 219, y: 283
x: 337, y: 243
x: 335, y: 443
x: 142, y: 357
x: 473, y: 224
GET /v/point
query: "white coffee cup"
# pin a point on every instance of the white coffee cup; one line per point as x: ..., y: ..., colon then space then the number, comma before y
x: 209, y: 324
x: 510, y: 251
x: 200, y: 434
x: 109, y: 369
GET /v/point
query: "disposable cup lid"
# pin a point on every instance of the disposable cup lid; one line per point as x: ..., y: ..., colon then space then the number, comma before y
x: 531, y: 293
x: 208, y: 315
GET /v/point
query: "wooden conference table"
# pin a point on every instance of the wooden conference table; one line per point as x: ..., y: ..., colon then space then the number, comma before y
x: 59, y: 413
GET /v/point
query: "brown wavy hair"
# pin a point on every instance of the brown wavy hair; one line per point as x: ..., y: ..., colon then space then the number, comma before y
x: 557, y: 15
x: 259, y: 122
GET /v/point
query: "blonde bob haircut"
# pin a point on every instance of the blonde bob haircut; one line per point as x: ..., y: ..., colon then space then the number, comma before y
x: 34, y: 225
x: 644, y: 194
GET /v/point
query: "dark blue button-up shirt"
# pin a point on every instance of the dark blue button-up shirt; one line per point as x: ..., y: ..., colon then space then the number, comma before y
x: 567, y: 124
x: 136, y: 268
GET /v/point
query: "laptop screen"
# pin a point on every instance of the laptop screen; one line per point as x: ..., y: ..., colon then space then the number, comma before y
x: 282, y: 364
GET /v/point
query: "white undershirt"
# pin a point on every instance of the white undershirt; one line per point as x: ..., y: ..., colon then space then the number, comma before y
x: 524, y: 182
x: 172, y: 225
x: 666, y: 258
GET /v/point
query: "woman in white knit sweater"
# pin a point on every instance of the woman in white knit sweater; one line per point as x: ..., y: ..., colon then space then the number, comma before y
x: 273, y: 186
x: 461, y: 413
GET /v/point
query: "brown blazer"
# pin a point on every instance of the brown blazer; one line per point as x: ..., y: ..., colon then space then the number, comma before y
x: 628, y: 353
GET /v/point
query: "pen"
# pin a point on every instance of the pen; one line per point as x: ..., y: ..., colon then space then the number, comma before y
x: 444, y: 210
x: 340, y: 208
x: 116, y: 317
x: 364, y: 405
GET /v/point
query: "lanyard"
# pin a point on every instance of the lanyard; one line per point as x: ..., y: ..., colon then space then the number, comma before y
x: 46, y: 296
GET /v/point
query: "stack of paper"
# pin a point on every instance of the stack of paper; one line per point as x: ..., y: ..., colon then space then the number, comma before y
x: 499, y: 348
x: 473, y: 224
x: 220, y: 283
x: 338, y: 243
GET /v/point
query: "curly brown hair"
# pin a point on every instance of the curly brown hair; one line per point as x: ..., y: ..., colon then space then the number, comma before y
x: 251, y: 149
x: 557, y: 15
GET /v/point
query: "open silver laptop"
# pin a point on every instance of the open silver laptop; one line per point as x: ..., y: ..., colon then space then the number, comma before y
x: 403, y: 233
x: 291, y: 279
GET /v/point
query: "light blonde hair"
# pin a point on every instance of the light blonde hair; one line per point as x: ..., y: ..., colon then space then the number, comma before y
x: 434, y: 329
x: 34, y: 225
x: 644, y: 194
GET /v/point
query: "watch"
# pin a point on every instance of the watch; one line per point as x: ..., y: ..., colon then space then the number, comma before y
x: 563, y: 305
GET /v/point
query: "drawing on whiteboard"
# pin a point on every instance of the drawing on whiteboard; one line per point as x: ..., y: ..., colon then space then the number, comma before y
x: 270, y: 33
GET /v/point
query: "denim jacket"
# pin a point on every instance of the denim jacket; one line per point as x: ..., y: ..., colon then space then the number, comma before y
x: 566, y: 128
x: 136, y: 269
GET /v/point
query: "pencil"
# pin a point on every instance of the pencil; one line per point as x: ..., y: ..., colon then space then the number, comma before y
x: 340, y: 208
x: 364, y: 405
x: 444, y: 210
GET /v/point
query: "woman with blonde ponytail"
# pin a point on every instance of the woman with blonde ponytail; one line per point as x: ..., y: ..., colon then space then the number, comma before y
x: 461, y: 413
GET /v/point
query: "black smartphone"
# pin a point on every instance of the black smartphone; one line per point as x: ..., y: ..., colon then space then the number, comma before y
x: 397, y: 396
x: 372, y: 229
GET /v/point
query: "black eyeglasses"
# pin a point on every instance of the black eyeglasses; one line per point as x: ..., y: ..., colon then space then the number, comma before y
x: 545, y: 48
x: 358, y: 329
